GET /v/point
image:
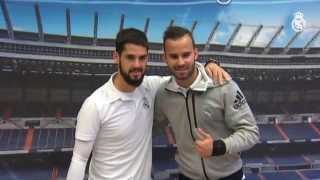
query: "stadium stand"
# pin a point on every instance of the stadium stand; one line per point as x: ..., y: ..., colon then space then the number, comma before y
x: 12, y: 139
x: 281, y: 176
x: 269, y: 132
x: 311, y: 174
x: 300, y: 131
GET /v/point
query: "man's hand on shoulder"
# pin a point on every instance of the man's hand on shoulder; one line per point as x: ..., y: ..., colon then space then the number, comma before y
x: 216, y: 72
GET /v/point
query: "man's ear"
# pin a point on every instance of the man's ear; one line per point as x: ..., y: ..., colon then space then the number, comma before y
x: 115, y: 56
x: 196, y: 54
x: 163, y: 55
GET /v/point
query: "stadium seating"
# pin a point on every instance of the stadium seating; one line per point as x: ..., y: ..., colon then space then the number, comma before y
x: 269, y: 132
x: 281, y: 176
x: 53, y: 139
x: 295, y: 51
x: 237, y: 49
x: 300, y: 131
x: 26, y: 36
x: 253, y: 159
x: 10, y: 170
x: 251, y: 176
x: 12, y: 139
x: 3, y: 33
x: 311, y: 174
x: 287, y: 159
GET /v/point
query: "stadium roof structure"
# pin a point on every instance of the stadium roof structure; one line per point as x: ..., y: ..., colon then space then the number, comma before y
x: 69, y: 38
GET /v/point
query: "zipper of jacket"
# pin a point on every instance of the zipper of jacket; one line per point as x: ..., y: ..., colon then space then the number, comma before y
x: 195, y: 123
x: 196, y: 126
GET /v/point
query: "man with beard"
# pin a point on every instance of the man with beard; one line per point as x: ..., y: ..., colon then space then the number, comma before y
x: 115, y: 122
x: 211, y: 123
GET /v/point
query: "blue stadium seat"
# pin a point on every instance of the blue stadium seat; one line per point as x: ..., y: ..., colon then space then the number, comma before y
x: 311, y: 174
x: 299, y: 131
x: 254, y: 159
x: 60, y: 138
x: 269, y: 132
x: 288, y: 159
x: 251, y: 176
x: 12, y: 139
x: 281, y: 176
x: 69, y: 141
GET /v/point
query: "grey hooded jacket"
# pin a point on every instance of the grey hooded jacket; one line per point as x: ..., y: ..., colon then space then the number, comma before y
x: 221, y: 111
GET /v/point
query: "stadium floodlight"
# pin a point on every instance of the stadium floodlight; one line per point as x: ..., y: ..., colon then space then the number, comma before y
x: 294, y: 37
x: 207, y: 46
x: 253, y: 38
x: 193, y: 26
x: 95, y: 28
x: 171, y: 22
x: 267, y: 47
x: 68, y: 25
x: 6, y: 16
x: 231, y: 39
x: 39, y: 22
x: 146, y: 25
x: 121, y: 22
x: 307, y: 46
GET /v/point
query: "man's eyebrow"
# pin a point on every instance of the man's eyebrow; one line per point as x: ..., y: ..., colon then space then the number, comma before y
x: 130, y: 55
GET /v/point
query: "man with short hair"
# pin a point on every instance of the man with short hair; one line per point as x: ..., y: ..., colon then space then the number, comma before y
x: 212, y: 123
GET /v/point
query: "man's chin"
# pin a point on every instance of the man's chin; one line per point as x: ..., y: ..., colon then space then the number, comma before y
x: 135, y: 78
x: 181, y: 76
x: 135, y: 81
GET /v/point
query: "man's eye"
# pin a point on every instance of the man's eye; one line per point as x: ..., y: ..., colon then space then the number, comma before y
x: 130, y: 57
x: 174, y: 56
x: 186, y: 55
x: 143, y: 58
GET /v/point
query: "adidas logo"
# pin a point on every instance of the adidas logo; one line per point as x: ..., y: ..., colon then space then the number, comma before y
x: 240, y: 100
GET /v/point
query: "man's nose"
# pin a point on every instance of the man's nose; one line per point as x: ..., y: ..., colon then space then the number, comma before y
x: 180, y: 61
x: 137, y: 63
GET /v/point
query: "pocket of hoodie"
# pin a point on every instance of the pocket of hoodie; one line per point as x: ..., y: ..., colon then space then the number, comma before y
x: 212, y: 119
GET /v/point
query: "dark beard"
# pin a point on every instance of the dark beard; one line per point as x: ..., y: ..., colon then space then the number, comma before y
x: 128, y: 79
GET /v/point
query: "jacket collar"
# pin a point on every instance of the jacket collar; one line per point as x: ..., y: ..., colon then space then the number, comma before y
x: 203, y: 84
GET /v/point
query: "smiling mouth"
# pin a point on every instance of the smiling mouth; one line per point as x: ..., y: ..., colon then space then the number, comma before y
x: 181, y: 70
x: 136, y: 73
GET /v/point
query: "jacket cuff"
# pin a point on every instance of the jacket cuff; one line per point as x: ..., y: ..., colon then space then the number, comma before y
x: 219, y: 148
